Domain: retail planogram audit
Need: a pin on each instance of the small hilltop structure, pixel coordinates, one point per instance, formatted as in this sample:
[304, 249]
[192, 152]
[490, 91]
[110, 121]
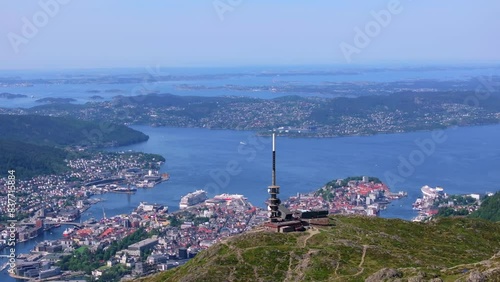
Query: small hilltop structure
[281, 219]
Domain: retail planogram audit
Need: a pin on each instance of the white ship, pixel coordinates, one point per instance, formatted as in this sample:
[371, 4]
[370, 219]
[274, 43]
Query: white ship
[193, 198]
[68, 232]
[432, 193]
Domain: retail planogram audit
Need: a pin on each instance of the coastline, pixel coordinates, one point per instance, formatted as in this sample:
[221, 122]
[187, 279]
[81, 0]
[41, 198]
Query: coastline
[260, 133]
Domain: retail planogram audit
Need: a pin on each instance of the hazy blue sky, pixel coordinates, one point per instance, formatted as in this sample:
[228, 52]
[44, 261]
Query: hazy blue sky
[125, 33]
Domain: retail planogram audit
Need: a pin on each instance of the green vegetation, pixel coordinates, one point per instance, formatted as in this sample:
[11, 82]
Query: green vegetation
[343, 182]
[489, 209]
[327, 192]
[200, 220]
[448, 211]
[29, 160]
[145, 157]
[38, 145]
[83, 259]
[353, 249]
[461, 200]
[65, 131]
[174, 221]
[113, 274]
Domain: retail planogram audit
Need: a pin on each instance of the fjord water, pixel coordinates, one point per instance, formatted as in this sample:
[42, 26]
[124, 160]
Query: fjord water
[225, 161]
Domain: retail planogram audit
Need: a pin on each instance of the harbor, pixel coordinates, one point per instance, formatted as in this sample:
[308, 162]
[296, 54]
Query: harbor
[435, 201]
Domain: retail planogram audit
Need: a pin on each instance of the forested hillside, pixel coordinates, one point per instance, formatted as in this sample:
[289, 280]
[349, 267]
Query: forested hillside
[59, 131]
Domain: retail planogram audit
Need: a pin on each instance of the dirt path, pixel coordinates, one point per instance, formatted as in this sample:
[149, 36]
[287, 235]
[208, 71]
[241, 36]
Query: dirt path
[312, 232]
[299, 269]
[365, 247]
[289, 272]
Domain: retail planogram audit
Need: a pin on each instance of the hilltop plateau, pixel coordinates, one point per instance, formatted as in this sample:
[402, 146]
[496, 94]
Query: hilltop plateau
[354, 248]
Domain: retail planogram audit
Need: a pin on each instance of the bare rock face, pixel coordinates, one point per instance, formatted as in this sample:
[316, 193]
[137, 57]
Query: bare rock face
[383, 274]
[424, 277]
[492, 274]
[476, 276]
[419, 278]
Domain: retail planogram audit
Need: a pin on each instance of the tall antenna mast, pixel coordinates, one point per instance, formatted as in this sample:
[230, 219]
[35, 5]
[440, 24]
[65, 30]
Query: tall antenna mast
[274, 160]
[274, 190]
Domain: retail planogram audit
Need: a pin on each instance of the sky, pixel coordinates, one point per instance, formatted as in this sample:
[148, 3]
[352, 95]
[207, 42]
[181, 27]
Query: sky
[51, 34]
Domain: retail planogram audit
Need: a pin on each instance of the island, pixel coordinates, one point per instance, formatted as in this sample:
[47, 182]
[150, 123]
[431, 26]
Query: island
[6, 95]
[113, 91]
[55, 100]
[362, 195]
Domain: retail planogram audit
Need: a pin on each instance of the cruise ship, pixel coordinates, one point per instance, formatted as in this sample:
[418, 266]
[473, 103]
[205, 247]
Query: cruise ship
[194, 198]
[431, 193]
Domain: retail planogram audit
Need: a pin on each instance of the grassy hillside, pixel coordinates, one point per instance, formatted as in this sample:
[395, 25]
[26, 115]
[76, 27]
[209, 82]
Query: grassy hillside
[489, 209]
[57, 131]
[353, 249]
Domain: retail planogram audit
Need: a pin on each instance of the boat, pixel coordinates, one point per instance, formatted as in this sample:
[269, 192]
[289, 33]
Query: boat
[199, 196]
[419, 218]
[124, 190]
[431, 193]
[144, 206]
[151, 179]
[165, 176]
[418, 204]
[68, 232]
[90, 221]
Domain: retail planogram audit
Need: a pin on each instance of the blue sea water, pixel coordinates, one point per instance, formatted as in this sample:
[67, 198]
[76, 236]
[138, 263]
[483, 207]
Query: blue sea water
[223, 161]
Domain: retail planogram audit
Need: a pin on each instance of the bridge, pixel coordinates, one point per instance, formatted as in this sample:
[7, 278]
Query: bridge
[76, 224]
